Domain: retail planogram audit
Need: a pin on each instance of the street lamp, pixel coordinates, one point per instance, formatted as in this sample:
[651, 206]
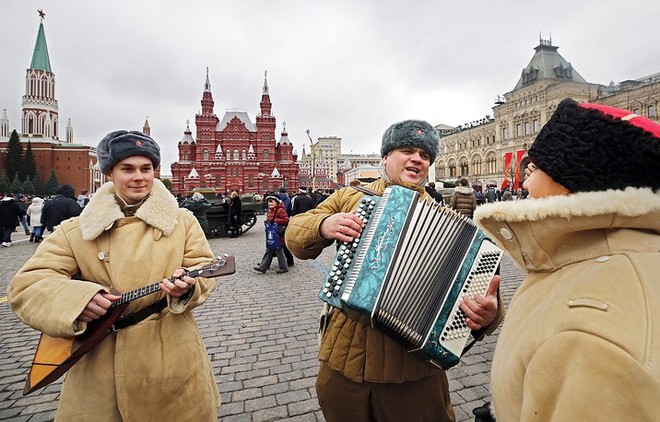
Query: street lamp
[313, 152]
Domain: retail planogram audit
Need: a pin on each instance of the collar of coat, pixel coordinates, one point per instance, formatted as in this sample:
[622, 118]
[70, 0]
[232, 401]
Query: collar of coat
[159, 210]
[547, 233]
[465, 190]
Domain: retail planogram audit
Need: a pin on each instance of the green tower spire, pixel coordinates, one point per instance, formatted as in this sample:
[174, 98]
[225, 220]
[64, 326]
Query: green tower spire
[40, 60]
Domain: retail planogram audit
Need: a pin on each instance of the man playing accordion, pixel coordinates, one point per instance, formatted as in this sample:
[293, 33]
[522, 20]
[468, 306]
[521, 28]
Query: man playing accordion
[365, 375]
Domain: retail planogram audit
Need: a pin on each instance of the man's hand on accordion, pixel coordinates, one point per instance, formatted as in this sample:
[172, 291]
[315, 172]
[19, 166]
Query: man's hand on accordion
[481, 310]
[343, 226]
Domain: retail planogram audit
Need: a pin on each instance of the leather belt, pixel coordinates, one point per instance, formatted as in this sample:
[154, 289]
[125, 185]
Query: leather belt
[135, 317]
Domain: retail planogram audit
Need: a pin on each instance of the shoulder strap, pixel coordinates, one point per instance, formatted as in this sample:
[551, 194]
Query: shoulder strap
[367, 191]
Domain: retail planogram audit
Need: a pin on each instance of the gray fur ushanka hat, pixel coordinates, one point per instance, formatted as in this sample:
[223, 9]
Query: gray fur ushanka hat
[411, 133]
[121, 144]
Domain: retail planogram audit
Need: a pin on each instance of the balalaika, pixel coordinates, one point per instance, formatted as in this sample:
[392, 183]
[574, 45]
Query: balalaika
[408, 271]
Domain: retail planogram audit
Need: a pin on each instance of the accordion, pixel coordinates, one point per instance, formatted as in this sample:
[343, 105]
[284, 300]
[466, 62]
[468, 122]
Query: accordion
[408, 271]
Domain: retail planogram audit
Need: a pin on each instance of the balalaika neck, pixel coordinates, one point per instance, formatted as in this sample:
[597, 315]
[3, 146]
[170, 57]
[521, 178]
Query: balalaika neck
[147, 290]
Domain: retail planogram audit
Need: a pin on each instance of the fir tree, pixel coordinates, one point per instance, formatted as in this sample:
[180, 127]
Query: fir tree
[16, 185]
[4, 183]
[51, 185]
[38, 182]
[28, 187]
[14, 159]
[29, 163]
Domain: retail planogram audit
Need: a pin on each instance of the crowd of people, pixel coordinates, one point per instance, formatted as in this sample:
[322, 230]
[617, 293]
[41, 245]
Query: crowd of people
[37, 213]
[579, 341]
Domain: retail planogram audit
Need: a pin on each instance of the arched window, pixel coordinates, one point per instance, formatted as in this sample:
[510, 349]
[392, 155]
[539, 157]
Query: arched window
[464, 168]
[244, 154]
[266, 154]
[228, 154]
[651, 111]
[205, 154]
[236, 156]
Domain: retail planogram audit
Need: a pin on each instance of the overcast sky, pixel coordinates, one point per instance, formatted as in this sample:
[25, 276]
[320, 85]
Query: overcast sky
[345, 68]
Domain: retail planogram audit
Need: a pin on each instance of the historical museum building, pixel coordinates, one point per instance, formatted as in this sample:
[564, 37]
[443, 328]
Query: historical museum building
[41, 128]
[488, 150]
[234, 153]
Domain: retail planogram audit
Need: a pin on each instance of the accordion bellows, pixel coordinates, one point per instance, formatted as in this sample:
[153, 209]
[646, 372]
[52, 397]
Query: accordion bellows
[408, 271]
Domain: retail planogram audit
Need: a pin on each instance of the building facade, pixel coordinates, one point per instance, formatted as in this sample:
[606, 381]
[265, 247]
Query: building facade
[234, 153]
[73, 163]
[487, 150]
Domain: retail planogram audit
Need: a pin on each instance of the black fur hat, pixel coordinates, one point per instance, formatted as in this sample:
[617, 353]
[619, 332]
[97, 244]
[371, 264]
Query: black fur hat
[121, 144]
[590, 147]
[411, 133]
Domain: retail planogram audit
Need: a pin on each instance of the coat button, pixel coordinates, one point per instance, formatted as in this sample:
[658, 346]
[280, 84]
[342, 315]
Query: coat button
[506, 233]
[101, 256]
[603, 258]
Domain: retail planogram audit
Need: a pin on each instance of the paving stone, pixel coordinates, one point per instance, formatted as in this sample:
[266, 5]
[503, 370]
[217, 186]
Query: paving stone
[260, 332]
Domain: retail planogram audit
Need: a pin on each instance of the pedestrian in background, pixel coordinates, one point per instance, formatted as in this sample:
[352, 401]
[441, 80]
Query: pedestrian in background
[463, 199]
[61, 206]
[276, 215]
[301, 203]
[235, 207]
[34, 212]
[581, 339]
[11, 214]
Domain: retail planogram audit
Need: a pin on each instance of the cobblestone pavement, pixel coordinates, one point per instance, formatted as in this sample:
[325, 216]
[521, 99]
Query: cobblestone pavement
[260, 331]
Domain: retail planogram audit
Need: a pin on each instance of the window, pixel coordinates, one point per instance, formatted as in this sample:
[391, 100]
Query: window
[228, 154]
[505, 133]
[536, 126]
[519, 129]
[205, 154]
[266, 155]
[527, 128]
[651, 111]
[236, 156]
[244, 154]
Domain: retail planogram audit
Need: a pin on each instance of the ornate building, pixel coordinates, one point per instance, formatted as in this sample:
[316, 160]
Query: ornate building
[234, 153]
[487, 150]
[73, 164]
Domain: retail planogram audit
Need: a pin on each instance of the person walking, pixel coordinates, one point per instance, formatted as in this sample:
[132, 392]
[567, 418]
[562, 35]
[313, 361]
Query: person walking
[34, 212]
[463, 199]
[11, 214]
[276, 215]
[301, 203]
[131, 234]
[378, 377]
[61, 206]
[581, 335]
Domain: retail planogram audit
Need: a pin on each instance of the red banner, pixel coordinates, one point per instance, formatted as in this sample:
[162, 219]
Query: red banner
[507, 165]
[516, 181]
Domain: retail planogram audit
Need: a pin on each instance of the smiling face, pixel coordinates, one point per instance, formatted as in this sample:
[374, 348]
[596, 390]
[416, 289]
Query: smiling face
[409, 164]
[133, 178]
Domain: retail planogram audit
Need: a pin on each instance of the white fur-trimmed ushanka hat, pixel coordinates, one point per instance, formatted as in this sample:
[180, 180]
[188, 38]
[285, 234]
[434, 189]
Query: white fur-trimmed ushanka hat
[411, 133]
[592, 147]
[121, 144]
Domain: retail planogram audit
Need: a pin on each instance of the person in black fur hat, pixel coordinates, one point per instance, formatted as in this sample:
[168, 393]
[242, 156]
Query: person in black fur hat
[59, 207]
[581, 339]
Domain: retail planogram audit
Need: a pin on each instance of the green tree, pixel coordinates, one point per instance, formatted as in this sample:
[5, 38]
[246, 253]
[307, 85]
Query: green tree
[167, 183]
[29, 164]
[28, 187]
[38, 182]
[51, 185]
[4, 183]
[14, 159]
[16, 185]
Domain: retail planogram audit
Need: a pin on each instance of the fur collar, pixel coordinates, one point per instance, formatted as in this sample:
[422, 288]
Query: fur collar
[465, 190]
[159, 211]
[631, 202]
